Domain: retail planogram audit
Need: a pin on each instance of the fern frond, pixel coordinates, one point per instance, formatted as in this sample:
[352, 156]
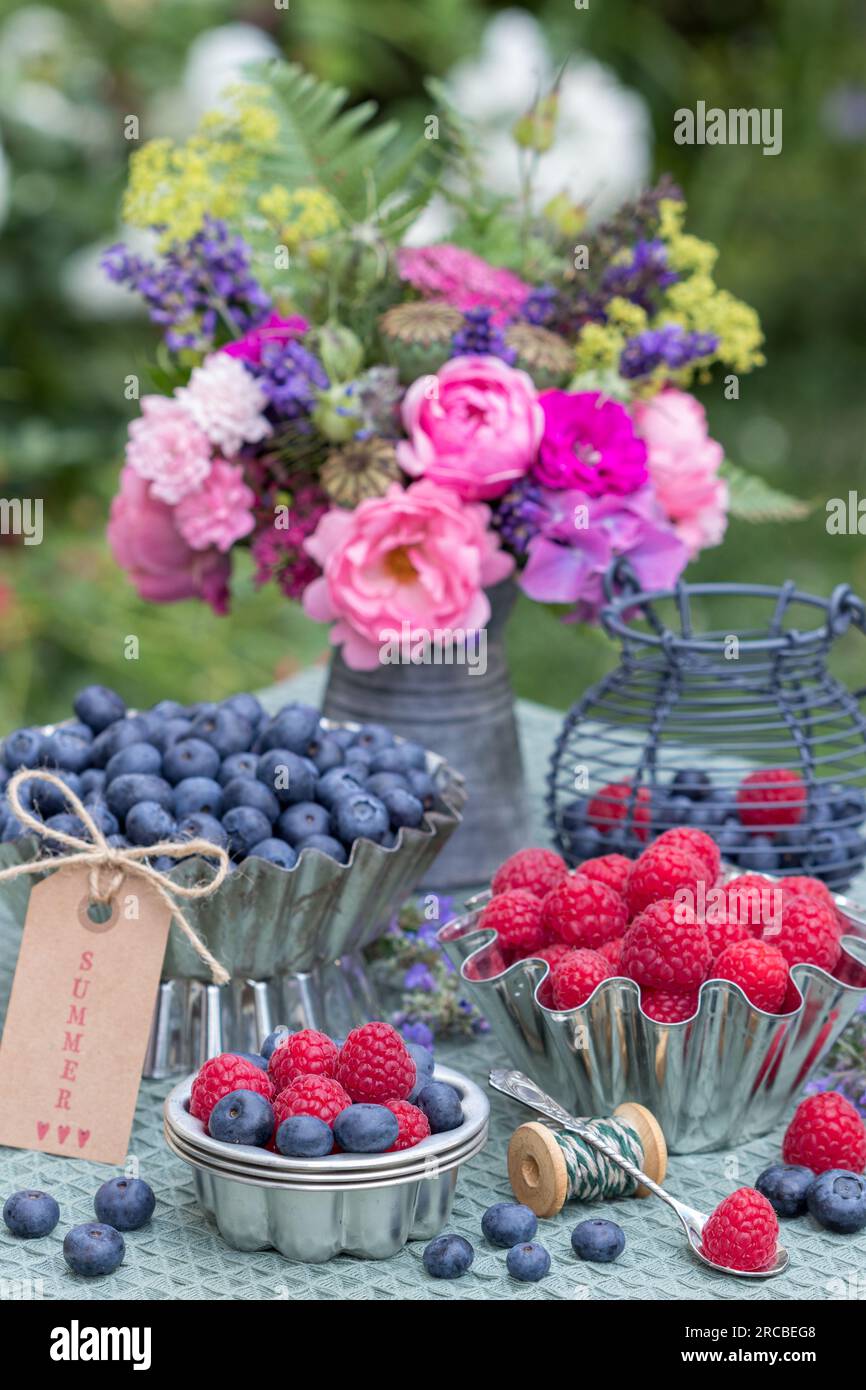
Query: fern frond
[751, 499]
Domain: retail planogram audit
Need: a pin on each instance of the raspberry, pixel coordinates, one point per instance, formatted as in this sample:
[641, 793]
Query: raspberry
[658, 873]
[223, 1074]
[697, 843]
[759, 969]
[753, 901]
[536, 870]
[807, 933]
[722, 934]
[826, 1132]
[515, 915]
[553, 952]
[775, 796]
[414, 1125]
[375, 1064]
[742, 1231]
[584, 912]
[320, 1096]
[663, 953]
[307, 1053]
[801, 885]
[486, 963]
[669, 1005]
[576, 976]
[612, 869]
[613, 803]
[612, 952]
[550, 954]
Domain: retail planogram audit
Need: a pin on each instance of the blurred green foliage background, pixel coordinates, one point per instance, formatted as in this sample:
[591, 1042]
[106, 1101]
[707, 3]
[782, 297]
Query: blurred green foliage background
[790, 229]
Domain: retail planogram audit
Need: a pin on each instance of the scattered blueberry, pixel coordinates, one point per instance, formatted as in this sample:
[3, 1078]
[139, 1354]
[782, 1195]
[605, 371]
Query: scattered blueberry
[49, 800]
[785, 1185]
[172, 731]
[273, 1040]
[238, 765]
[127, 1204]
[528, 1263]
[421, 785]
[275, 852]
[93, 1249]
[242, 1117]
[304, 1136]
[248, 707]
[360, 817]
[97, 706]
[366, 1129]
[759, 855]
[93, 780]
[135, 757]
[691, 782]
[256, 1058]
[63, 750]
[325, 844]
[447, 1257]
[245, 827]
[249, 791]
[198, 795]
[190, 757]
[303, 819]
[167, 709]
[23, 748]
[130, 789]
[295, 728]
[325, 753]
[147, 823]
[442, 1106]
[201, 826]
[381, 782]
[291, 777]
[403, 808]
[339, 782]
[509, 1223]
[31, 1213]
[837, 1200]
[598, 1240]
[224, 729]
[423, 1059]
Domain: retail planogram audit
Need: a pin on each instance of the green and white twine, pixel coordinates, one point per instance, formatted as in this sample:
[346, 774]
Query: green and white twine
[592, 1176]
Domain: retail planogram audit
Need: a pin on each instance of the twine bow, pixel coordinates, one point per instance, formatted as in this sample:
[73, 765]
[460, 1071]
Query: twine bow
[109, 866]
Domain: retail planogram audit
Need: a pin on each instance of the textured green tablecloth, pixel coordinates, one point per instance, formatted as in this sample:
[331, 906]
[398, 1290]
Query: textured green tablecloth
[180, 1255]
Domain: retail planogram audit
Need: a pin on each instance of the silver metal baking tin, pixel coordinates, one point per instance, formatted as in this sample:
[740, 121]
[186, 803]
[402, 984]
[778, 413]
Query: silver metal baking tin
[726, 1075]
[313, 1209]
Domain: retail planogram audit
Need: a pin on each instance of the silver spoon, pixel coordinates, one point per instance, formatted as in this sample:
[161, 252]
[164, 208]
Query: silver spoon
[519, 1087]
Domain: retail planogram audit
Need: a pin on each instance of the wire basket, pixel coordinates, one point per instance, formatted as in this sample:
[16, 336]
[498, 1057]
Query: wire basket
[721, 714]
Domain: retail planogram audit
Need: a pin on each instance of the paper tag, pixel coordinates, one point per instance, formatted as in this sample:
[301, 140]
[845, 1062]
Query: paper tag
[79, 1017]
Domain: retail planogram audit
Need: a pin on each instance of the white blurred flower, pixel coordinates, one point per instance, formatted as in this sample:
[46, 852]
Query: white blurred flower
[216, 59]
[601, 151]
[38, 51]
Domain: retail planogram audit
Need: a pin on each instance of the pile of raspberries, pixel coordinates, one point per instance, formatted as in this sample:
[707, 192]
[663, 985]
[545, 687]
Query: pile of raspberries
[663, 920]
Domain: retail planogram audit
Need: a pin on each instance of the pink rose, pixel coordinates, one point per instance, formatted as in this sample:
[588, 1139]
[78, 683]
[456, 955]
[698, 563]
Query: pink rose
[220, 511]
[166, 447]
[146, 543]
[275, 329]
[684, 463]
[417, 556]
[474, 427]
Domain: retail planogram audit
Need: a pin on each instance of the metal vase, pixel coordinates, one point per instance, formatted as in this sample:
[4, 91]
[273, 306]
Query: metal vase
[468, 718]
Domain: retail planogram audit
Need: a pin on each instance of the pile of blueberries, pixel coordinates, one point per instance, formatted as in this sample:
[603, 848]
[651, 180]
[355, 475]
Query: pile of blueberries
[513, 1226]
[94, 1247]
[227, 773]
[828, 842]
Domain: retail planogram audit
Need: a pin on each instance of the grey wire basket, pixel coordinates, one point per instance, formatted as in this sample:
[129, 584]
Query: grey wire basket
[717, 683]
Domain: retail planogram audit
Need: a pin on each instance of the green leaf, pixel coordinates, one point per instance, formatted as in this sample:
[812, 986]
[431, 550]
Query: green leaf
[751, 499]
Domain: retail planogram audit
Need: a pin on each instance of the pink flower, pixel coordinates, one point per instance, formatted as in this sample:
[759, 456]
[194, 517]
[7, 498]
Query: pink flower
[146, 543]
[589, 442]
[451, 275]
[474, 427]
[684, 463]
[220, 512]
[166, 447]
[275, 329]
[417, 556]
[226, 402]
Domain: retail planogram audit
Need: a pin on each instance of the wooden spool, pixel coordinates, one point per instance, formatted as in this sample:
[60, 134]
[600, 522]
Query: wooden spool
[536, 1165]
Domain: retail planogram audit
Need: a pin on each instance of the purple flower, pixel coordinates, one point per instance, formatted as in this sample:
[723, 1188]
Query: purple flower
[290, 376]
[643, 276]
[670, 346]
[418, 976]
[480, 336]
[538, 307]
[415, 1031]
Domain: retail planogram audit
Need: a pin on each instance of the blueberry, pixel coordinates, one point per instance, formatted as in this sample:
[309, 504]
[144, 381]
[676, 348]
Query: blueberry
[421, 785]
[304, 1136]
[442, 1106]
[573, 816]
[447, 1257]
[424, 1063]
[387, 760]
[273, 1040]
[295, 727]
[335, 785]
[190, 757]
[77, 730]
[225, 730]
[249, 791]
[14, 829]
[238, 765]
[64, 750]
[97, 707]
[201, 826]
[104, 819]
[69, 825]
[93, 1249]
[414, 756]
[30, 1213]
[147, 823]
[255, 1057]
[586, 843]
[849, 804]
[373, 737]
[818, 813]
[360, 817]
[274, 852]
[837, 1200]
[692, 783]
[172, 731]
[242, 1117]
[199, 707]
[50, 801]
[730, 841]
[5, 776]
[598, 1240]
[127, 1204]
[247, 706]
[759, 855]
[167, 709]
[366, 1129]
[135, 757]
[380, 782]
[827, 850]
[126, 791]
[130, 730]
[24, 748]
[509, 1223]
[92, 780]
[403, 808]
[303, 819]
[785, 1186]
[356, 754]
[528, 1263]
[291, 777]
[326, 753]
[245, 827]
[325, 844]
[198, 795]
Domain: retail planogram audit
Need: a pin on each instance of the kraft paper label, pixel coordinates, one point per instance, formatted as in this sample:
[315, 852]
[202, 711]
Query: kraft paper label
[79, 1017]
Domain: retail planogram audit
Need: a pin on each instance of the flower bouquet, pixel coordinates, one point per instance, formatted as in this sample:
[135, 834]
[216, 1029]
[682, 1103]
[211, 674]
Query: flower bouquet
[394, 430]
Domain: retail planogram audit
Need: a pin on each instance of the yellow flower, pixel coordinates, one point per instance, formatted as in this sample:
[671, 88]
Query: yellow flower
[626, 315]
[598, 347]
[302, 214]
